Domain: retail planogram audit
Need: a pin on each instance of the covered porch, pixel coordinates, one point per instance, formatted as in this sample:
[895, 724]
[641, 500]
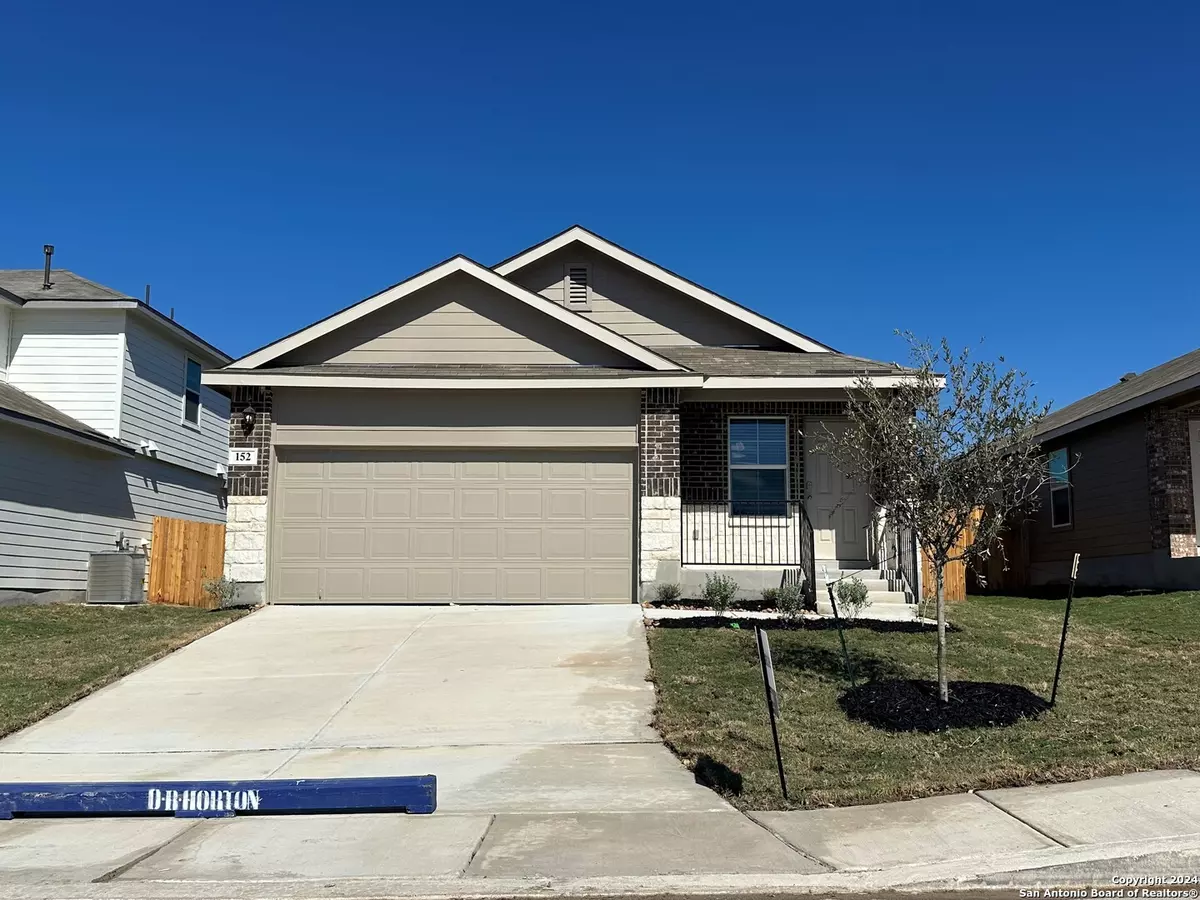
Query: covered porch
[757, 498]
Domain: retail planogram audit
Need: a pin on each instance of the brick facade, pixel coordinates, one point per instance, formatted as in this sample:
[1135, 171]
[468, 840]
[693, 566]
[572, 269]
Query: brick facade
[704, 450]
[250, 481]
[658, 442]
[1169, 459]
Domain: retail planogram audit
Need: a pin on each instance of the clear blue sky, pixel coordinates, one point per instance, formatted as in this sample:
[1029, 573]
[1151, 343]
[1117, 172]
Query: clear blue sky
[1026, 172]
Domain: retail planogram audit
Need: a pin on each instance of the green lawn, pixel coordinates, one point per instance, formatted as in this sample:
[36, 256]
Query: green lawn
[50, 656]
[1128, 700]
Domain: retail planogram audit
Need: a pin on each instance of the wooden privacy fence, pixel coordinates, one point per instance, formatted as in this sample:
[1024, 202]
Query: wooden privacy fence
[184, 555]
[956, 572]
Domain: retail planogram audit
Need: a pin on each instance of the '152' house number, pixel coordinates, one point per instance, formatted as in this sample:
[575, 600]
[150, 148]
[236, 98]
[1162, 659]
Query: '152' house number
[242, 456]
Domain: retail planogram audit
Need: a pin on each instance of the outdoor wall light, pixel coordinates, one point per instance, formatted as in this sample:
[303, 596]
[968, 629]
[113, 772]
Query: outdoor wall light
[248, 419]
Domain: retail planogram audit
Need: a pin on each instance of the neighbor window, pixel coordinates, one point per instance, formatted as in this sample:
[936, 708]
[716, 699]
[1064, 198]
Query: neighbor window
[191, 393]
[1060, 489]
[758, 472]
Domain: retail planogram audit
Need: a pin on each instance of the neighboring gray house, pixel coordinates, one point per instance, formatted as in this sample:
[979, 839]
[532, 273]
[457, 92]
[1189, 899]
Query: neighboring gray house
[104, 424]
[1126, 464]
[574, 424]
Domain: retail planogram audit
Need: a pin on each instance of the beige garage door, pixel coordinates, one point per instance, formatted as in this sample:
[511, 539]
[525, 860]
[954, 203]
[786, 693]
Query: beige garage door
[430, 526]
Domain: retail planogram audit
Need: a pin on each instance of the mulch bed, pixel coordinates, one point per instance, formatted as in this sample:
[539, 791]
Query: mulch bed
[904, 705]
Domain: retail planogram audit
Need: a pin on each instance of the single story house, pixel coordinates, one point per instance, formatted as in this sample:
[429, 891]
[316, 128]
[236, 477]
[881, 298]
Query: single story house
[573, 424]
[1124, 490]
[104, 425]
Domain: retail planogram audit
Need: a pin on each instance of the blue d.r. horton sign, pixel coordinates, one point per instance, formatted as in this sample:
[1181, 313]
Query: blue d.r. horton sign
[216, 799]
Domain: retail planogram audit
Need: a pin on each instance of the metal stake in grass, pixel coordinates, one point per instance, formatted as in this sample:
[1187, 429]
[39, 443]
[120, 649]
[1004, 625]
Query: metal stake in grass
[1062, 642]
[841, 634]
[768, 673]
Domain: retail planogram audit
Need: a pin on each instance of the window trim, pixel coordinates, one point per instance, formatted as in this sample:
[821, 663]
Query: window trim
[1062, 486]
[587, 270]
[188, 361]
[786, 467]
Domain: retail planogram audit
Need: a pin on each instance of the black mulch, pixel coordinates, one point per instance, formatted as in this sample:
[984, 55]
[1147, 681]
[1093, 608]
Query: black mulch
[909, 705]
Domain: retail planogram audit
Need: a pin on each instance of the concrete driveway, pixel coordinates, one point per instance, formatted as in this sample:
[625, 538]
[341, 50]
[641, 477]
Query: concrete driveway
[515, 709]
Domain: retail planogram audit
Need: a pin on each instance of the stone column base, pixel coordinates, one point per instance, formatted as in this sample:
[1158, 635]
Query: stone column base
[246, 546]
[660, 538]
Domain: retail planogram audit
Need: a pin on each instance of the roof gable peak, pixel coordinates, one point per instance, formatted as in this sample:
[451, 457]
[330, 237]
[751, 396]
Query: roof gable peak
[577, 233]
[455, 264]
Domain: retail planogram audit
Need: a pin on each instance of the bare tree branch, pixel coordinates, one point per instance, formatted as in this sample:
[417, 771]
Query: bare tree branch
[942, 461]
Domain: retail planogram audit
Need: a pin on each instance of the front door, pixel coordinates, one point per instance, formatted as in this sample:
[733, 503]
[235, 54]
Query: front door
[838, 506]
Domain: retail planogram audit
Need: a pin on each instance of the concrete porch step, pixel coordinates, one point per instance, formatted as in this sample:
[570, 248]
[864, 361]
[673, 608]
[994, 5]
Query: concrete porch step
[872, 581]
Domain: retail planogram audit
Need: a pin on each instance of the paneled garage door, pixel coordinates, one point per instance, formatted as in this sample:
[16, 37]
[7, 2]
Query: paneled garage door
[429, 526]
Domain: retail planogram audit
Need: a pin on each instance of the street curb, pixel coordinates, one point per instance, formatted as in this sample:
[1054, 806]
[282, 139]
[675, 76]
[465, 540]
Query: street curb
[928, 877]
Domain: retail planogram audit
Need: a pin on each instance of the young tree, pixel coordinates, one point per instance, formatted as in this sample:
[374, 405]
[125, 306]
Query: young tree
[940, 463]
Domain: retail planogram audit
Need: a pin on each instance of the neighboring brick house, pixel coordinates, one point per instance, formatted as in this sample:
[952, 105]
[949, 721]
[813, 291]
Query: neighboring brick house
[574, 424]
[1125, 485]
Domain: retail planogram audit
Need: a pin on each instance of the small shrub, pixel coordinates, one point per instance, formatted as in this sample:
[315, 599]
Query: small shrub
[851, 597]
[719, 591]
[791, 600]
[221, 590]
[668, 592]
[771, 597]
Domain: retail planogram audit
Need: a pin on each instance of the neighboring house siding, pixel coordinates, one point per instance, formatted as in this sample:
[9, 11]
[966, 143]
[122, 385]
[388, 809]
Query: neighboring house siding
[460, 418]
[70, 359]
[457, 320]
[60, 501]
[5, 319]
[637, 306]
[152, 402]
[1110, 496]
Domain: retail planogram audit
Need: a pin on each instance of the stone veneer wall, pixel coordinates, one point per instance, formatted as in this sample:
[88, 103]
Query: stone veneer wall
[658, 471]
[246, 526]
[1169, 459]
[704, 449]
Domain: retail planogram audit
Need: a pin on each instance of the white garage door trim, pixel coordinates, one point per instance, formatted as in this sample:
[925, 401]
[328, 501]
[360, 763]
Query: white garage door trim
[416, 525]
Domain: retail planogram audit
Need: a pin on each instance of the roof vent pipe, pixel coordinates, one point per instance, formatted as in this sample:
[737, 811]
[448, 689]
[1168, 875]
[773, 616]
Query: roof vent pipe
[1128, 376]
[48, 249]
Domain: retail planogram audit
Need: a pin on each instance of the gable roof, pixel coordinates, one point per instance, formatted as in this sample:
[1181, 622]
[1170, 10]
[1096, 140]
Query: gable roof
[577, 233]
[26, 284]
[1167, 380]
[537, 302]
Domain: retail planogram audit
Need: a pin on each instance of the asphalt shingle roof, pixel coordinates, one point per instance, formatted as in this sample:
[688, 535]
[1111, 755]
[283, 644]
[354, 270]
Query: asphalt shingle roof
[26, 406]
[65, 285]
[444, 370]
[1163, 376]
[749, 363]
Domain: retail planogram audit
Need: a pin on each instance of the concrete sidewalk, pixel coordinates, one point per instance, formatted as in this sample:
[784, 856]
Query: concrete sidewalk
[1146, 823]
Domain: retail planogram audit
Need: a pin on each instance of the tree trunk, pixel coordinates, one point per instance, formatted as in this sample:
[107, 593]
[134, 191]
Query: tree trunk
[943, 684]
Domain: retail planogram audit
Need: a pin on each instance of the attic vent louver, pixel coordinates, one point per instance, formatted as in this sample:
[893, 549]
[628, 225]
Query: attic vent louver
[578, 278]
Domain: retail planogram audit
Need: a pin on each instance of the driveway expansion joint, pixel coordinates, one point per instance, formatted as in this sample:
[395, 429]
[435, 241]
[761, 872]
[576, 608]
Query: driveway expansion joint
[1012, 815]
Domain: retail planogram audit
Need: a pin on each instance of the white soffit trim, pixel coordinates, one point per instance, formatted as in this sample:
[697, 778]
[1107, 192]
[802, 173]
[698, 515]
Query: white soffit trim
[457, 264]
[267, 379]
[832, 381]
[664, 276]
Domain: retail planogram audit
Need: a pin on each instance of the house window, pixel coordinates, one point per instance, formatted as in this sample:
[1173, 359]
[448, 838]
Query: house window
[758, 469]
[577, 286]
[191, 393]
[1060, 489]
